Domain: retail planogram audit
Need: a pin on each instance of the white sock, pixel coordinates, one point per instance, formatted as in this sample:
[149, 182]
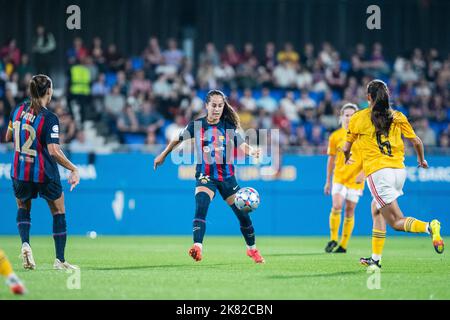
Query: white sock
[427, 228]
[376, 257]
[198, 244]
[253, 247]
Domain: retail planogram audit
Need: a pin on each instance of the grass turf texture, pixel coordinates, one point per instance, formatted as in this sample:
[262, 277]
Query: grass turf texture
[296, 268]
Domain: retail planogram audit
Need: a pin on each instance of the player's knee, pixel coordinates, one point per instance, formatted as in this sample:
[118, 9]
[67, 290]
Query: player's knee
[398, 225]
[349, 211]
[243, 217]
[202, 201]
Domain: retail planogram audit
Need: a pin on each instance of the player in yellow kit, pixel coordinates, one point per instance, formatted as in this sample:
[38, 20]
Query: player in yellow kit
[12, 281]
[347, 184]
[379, 130]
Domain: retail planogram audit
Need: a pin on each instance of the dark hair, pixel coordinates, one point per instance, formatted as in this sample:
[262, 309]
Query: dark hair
[39, 85]
[381, 115]
[229, 114]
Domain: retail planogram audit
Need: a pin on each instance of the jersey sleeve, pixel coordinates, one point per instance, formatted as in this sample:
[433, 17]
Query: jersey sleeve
[406, 128]
[331, 151]
[51, 134]
[353, 131]
[187, 133]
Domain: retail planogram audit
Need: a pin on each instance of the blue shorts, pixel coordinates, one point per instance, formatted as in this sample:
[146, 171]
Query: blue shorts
[227, 187]
[26, 190]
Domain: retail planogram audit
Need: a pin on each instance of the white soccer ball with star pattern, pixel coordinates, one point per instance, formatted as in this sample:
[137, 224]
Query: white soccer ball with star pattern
[247, 199]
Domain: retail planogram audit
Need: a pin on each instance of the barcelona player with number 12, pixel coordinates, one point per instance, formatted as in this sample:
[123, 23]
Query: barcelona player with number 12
[34, 130]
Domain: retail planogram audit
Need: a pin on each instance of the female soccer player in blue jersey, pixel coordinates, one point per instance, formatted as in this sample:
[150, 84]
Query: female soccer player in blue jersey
[34, 130]
[215, 140]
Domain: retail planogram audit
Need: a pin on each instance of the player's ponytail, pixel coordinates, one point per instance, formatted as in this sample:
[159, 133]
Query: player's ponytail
[38, 87]
[381, 115]
[229, 114]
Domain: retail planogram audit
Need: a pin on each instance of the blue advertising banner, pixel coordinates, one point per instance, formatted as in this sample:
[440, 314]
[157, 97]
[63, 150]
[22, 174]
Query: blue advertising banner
[121, 194]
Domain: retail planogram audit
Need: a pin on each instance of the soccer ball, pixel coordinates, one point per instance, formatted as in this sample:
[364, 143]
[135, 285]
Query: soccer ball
[247, 199]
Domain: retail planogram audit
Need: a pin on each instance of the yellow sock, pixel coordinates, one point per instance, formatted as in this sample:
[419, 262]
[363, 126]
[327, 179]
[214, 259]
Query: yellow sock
[378, 239]
[5, 266]
[347, 230]
[335, 222]
[414, 225]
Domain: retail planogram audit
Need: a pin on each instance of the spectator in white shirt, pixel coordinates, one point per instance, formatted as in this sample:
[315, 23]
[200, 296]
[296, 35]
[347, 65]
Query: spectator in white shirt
[247, 101]
[289, 108]
[266, 102]
[305, 102]
[285, 75]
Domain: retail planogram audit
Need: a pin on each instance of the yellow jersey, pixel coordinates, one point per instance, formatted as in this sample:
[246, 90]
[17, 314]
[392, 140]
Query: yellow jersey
[379, 151]
[345, 174]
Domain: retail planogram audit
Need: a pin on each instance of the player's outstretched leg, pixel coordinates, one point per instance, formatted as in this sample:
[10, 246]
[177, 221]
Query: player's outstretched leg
[249, 234]
[202, 201]
[396, 220]
[12, 281]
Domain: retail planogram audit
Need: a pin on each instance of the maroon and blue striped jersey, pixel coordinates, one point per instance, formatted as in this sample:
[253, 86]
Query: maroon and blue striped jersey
[32, 133]
[215, 147]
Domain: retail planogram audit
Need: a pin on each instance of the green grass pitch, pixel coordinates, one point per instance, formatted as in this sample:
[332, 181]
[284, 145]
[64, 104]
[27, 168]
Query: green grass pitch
[295, 268]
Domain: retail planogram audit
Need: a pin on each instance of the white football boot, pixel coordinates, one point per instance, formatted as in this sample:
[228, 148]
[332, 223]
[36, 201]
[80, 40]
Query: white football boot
[27, 257]
[58, 265]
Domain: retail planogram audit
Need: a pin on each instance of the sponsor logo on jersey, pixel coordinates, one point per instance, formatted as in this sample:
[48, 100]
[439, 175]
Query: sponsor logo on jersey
[55, 128]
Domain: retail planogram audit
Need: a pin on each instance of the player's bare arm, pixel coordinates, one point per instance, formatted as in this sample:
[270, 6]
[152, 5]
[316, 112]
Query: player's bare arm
[56, 152]
[418, 147]
[347, 152]
[9, 133]
[159, 160]
[330, 167]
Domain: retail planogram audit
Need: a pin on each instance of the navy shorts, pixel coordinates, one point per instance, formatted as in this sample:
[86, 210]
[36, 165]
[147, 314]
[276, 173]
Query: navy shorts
[227, 187]
[25, 190]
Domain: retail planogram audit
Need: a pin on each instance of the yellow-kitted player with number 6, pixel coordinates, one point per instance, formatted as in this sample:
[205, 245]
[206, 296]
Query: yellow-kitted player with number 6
[379, 131]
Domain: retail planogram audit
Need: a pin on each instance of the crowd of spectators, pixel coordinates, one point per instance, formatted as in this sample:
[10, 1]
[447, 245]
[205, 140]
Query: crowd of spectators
[150, 97]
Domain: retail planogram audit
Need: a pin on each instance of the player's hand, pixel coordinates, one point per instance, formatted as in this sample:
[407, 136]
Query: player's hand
[349, 161]
[74, 179]
[360, 178]
[327, 189]
[423, 164]
[255, 152]
[159, 160]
